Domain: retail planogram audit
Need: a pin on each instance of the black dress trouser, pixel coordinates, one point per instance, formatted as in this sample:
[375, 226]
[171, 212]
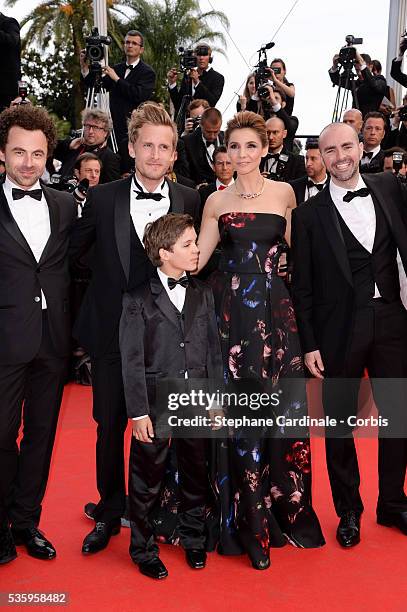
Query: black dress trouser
[31, 392]
[109, 412]
[146, 473]
[378, 343]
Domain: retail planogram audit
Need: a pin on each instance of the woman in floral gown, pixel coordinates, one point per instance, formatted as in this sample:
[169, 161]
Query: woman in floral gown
[263, 480]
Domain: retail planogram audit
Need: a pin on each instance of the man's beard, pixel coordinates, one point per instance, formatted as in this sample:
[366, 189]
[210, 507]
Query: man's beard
[345, 177]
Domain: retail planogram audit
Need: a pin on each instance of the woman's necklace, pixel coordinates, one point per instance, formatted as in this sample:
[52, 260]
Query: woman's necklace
[250, 196]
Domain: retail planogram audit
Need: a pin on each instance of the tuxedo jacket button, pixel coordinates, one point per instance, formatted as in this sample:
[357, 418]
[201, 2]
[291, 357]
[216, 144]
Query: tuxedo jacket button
[182, 372]
[182, 344]
[37, 299]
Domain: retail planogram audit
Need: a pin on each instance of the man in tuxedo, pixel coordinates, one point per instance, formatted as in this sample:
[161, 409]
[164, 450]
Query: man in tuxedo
[114, 219]
[35, 331]
[97, 127]
[200, 82]
[354, 117]
[201, 144]
[279, 164]
[316, 179]
[373, 131]
[168, 330]
[129, 83]
[346, 295]
[223, 172]
[10, 69]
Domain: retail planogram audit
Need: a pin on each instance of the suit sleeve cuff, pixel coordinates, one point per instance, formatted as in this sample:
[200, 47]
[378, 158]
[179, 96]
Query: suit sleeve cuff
[139, 417]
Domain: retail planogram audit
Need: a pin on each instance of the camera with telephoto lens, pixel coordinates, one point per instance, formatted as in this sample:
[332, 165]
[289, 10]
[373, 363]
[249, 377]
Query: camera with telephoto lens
[403, 113]
[347, 54]
[196, 122]
[187, 59]
[95, 46]
[278, 174]
[23, 92]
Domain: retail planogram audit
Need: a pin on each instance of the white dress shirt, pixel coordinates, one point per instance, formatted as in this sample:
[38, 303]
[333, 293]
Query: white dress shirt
[146, 211]
[32, 218]
[359, 215]
[312, 191]
[271, 164]
[367, 160]
[218, 184]
[209, 151]
[177, 297]
[133, 65]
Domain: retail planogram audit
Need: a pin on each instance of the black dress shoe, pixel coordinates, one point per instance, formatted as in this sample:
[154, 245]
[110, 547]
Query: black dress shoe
[154, 568]
[99, 537]
[35, 542]
[393, 519]
[7, 547]
[196, 558]
[261, 564]
[348, 532]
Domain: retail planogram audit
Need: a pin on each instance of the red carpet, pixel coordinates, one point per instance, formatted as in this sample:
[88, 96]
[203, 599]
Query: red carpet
[370, 577]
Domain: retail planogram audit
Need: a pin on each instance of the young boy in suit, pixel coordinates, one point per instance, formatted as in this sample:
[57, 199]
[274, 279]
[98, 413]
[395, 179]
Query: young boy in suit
[167, 330]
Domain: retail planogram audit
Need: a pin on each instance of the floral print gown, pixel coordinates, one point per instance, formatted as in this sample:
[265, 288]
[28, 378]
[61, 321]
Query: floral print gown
[263, 484]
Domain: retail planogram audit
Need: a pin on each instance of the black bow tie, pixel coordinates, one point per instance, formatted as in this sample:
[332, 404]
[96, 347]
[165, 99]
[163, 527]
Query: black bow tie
[319, 186]
[20, 193]
[368, 155]
[146, 195]
[183, 281]
[129, 67]
[209, 143]
[272, 156]
[359, 193]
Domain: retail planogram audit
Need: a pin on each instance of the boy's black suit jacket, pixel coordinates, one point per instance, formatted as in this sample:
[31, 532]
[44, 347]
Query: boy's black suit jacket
[155, 345]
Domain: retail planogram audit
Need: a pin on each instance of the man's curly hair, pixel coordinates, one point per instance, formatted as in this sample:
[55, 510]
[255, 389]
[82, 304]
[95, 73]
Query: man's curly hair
[28, 118]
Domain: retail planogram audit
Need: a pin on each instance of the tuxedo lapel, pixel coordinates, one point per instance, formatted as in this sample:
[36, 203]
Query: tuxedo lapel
[193, 299]
[176, 198]
[328, 217]
[122, 222]
[163, 301]
[53, 220]
[381, 199]
[8, 222]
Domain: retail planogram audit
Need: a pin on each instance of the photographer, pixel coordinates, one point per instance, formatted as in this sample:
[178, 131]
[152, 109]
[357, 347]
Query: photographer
[129, 83]
[370, 89]
[194, 113]
[249, 100]
[96, 129]
[201, 144]
[275, 106]
[10, 71]
[398, 121]
[279, 164]
[199, 82]
[395, 71]
[281, 84]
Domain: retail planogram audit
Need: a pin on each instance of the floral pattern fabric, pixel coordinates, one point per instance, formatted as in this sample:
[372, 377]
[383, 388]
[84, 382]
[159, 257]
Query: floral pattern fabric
[263, 483]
